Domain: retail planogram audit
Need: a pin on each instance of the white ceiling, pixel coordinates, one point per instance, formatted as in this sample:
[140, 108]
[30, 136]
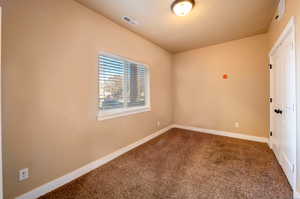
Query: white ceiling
[210, 22]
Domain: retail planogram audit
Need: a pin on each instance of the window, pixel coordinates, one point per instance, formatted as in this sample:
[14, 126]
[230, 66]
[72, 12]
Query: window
[123, 87]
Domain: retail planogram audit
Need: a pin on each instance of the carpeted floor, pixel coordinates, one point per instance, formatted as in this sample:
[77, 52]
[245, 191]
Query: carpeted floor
[186, 165]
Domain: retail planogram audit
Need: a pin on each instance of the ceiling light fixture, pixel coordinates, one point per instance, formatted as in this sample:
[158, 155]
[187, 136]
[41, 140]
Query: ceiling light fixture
[182, 7]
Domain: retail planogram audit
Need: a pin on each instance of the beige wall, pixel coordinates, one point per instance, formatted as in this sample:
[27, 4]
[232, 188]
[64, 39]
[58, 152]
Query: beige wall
[49, 86]
[203, 99]
[50, 53]
[292, 9]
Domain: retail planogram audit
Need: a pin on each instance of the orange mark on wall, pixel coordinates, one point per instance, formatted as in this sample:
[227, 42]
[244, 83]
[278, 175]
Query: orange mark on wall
[225, 76]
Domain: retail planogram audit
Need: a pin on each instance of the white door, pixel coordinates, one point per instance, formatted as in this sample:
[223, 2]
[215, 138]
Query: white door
[283, 106]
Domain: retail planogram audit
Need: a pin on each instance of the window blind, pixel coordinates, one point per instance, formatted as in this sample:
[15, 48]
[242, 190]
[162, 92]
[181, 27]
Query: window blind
[122, 84]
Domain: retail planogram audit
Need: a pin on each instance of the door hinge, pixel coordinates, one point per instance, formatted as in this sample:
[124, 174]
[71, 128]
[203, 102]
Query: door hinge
[271, 99]
[271, 133]
[271, 66]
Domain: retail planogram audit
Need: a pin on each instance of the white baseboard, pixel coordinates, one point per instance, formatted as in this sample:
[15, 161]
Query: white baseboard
[223, 133]
[270, 143]
[46, 188]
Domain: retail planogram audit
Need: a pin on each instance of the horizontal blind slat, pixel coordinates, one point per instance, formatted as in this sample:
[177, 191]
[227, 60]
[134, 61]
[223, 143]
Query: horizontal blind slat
[121, 83]
[111, 76]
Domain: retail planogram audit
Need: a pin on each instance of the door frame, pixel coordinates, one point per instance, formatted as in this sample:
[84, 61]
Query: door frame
[289, 29]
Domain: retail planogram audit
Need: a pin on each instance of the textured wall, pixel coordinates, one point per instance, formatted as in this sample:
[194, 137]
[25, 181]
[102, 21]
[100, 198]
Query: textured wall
[50, 53]
[203, 99]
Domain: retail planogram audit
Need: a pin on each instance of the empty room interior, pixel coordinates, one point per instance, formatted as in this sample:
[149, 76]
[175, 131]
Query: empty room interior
[150, 99]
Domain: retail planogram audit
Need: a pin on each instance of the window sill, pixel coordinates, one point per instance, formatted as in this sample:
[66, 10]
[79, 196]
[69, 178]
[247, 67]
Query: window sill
[105, 115]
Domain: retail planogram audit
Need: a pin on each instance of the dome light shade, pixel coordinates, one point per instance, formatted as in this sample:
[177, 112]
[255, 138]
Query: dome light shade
[182, 7]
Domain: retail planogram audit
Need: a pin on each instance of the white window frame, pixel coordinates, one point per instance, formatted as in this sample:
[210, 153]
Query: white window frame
[114, 113]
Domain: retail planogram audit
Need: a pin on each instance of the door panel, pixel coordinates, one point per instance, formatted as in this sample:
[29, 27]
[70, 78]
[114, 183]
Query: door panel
[288, 143]
[283, 121]
[276, 104]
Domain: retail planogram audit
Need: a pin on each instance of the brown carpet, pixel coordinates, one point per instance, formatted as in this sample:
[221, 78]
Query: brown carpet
[187, 165]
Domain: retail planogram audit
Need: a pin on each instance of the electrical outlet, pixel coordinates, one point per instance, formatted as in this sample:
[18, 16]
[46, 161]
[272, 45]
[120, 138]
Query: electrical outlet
[237, 125]
[23, 174]
[158, 124]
